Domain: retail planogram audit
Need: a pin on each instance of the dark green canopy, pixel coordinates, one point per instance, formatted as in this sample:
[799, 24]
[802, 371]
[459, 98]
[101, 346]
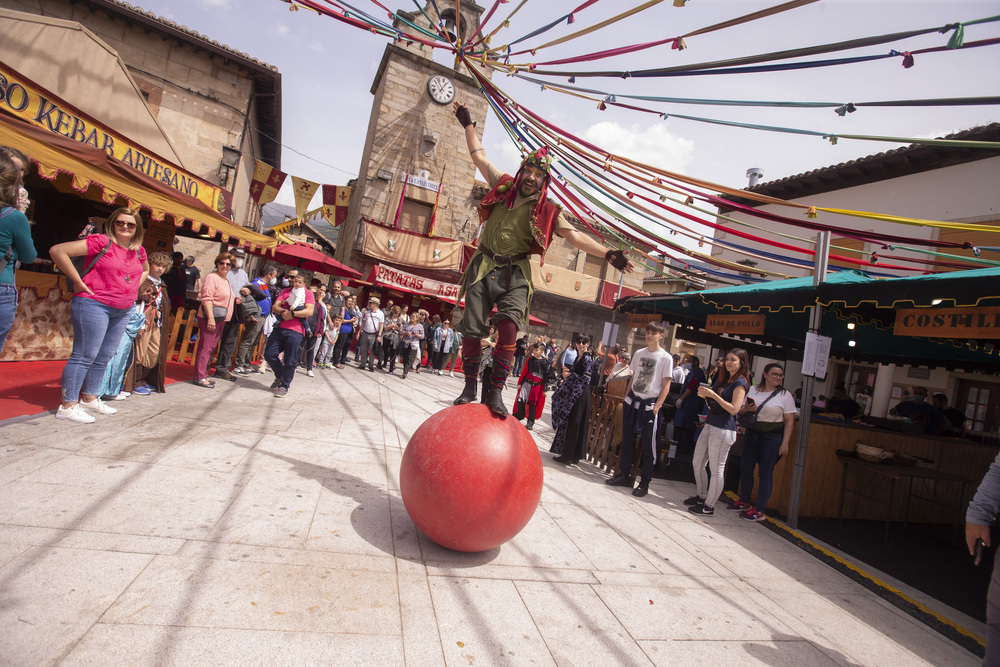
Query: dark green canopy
[846, 296]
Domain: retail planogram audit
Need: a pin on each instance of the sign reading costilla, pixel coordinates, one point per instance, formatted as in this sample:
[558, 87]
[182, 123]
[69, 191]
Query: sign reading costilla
[983, 322]
[735, 324]
[41, 108]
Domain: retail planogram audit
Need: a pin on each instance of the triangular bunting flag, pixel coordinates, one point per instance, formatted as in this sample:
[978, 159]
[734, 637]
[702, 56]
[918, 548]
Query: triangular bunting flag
[304, 191]
[265, 184]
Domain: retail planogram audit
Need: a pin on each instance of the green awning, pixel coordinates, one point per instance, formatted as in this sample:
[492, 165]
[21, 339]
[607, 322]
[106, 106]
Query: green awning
[847, 296]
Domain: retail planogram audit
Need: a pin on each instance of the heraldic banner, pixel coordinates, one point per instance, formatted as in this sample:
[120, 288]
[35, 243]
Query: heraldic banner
[399, 247]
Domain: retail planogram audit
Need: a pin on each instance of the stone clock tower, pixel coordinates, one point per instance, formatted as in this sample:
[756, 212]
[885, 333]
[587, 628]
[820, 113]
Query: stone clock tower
[413, 130]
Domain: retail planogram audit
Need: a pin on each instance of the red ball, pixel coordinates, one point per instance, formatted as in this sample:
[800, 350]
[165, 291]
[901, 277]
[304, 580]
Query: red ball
[469, 480]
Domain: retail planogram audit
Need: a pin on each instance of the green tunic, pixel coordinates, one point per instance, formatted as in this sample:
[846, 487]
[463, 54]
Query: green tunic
[505, 232]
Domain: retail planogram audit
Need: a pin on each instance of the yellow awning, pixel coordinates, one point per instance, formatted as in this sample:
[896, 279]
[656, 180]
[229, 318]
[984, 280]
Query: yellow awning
[90, 167]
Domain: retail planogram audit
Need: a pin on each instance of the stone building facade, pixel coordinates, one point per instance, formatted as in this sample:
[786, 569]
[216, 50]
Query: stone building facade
[410, 132]
[204, 95]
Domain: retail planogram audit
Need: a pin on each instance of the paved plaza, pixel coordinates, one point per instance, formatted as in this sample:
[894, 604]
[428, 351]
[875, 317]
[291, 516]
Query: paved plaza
[228, 527]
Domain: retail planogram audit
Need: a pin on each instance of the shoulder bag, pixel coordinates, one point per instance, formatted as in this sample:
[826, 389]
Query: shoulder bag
[749, 419]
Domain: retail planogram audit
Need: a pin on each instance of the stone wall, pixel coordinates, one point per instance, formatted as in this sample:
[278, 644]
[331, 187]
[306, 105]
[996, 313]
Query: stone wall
[402, 115]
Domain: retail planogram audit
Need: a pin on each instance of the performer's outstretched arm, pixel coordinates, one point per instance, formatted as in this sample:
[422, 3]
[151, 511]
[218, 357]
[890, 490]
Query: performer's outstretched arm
[476, 149]
[580, 240]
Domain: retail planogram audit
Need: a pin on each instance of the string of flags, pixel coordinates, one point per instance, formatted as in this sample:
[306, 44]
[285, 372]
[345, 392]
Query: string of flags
[267, 181]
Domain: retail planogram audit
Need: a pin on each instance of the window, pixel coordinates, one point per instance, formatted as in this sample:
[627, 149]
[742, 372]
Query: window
[593, 266]
[987, 237]
[853, 248]
[978, 401]
[415, 216]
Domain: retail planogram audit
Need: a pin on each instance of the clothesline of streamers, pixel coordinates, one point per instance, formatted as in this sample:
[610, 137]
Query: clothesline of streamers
[678, 42]
[624, 238]
[734, 265]
[842, 108]
[810, 210]
[694, 236]
[568, 18]
[832, 137]
[603, 24]
[848, 231]
[504, 24]
[800, 52]
[360, 24]
[486, 19]
[377, 28]
[906, 56]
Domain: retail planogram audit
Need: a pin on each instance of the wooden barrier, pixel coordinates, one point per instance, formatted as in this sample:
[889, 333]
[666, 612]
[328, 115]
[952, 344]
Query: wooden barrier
[604, 433]
[184, 351]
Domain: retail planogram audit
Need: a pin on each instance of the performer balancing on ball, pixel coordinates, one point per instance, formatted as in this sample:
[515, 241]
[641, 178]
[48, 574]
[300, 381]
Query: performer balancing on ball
[519, 221]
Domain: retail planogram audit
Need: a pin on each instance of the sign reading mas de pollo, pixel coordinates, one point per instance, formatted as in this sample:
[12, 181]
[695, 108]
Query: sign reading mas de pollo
[41, 108]
[735, 324]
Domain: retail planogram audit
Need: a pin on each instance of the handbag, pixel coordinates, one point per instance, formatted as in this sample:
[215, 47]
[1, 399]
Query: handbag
[749, 419]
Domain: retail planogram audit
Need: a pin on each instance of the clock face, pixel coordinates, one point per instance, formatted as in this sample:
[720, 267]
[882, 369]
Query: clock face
[441, 89]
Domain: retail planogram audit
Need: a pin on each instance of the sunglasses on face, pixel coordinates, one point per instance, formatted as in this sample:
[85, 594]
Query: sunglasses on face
[224, 264]
[126, 225]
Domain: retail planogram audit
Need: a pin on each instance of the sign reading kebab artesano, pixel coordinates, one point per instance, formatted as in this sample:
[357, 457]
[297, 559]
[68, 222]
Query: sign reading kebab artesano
[39, 107]
[391, 277]
[948, 322]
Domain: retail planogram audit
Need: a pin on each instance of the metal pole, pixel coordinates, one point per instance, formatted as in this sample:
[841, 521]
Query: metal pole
[808, 385]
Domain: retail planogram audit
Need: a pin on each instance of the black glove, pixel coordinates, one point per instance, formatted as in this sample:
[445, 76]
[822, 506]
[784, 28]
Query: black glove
[462, 114]
[617, 259]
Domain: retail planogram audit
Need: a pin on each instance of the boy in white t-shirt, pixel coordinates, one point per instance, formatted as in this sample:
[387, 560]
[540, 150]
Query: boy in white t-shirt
[652, 369]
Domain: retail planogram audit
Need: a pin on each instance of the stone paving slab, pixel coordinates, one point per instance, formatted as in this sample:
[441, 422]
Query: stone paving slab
[226, 526]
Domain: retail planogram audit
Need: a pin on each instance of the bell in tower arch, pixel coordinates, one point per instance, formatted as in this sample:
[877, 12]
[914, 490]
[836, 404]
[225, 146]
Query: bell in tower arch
[449, 26]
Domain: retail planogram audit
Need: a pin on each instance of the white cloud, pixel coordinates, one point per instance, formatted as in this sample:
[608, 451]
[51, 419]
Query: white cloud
[315, 47]
[215, 4]
[280, 29]
[508, 158]
[654, 145]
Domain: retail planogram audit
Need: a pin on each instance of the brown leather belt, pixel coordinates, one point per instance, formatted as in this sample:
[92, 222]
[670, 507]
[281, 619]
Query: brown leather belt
[507, 260]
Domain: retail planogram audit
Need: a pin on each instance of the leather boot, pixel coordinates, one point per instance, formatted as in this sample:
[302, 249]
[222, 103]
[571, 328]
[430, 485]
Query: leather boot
[530, 425]
[494, 399]
[470, 367]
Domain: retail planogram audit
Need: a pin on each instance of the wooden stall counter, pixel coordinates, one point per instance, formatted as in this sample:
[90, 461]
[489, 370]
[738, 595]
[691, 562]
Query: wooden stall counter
[824, 474]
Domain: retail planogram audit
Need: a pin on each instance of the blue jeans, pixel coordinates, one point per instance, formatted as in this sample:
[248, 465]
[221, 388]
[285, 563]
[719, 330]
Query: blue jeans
[8, 308]
[97, 330]
[286, 343]
[761, 450]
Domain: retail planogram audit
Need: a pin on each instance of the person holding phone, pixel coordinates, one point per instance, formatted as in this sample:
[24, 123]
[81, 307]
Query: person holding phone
[982, 510]
[725, 400]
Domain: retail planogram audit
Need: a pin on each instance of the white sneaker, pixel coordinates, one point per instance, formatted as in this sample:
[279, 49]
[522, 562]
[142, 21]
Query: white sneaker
[310, 374]
[121, 396]
[98, 406]
[74, 414]
[451, 374]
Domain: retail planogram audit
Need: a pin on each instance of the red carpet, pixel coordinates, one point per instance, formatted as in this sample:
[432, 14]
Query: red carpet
[31, 387]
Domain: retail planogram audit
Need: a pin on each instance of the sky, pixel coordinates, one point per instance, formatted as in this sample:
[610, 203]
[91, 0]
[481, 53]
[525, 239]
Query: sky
[328, 68]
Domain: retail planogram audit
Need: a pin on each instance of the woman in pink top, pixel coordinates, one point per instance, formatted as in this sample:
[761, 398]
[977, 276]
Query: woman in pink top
[216, 309]
[102, 303]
